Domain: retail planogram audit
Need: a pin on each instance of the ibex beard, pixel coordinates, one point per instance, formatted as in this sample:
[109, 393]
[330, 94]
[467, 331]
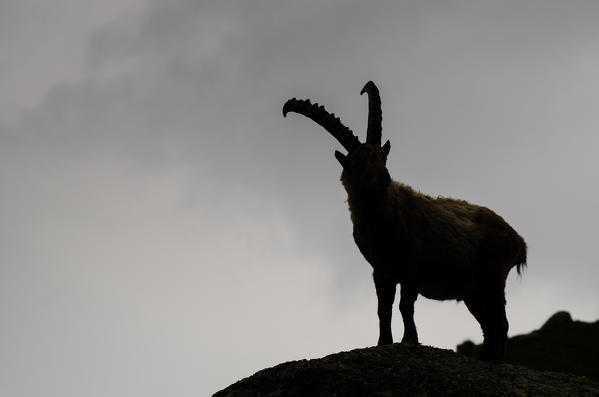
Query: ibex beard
[440, 248]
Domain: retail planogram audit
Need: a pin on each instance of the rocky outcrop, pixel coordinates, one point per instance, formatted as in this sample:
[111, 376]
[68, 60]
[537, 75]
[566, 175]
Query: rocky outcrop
[406, 370]
[560, 345]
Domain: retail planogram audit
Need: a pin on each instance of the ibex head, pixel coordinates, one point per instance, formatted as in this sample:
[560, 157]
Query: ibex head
[364, 167]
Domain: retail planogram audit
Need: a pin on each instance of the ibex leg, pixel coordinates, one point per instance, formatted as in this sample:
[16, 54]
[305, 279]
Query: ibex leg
[385, 293]
[406, 307]
[489, 310]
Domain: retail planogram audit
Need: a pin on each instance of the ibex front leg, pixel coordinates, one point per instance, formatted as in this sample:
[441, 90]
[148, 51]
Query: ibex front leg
[408, 297]
[385, 293]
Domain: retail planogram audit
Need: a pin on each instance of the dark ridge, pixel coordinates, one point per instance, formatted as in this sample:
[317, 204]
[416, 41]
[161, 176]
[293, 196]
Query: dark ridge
[406, 370]
[560, 345]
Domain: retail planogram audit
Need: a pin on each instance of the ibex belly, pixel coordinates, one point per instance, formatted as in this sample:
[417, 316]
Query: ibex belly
[434, 283]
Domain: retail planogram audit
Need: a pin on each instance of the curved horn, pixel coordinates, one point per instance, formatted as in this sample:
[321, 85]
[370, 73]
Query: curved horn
[327, 120]
[375, 116]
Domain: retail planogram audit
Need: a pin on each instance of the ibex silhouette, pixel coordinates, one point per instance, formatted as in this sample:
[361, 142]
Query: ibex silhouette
[440, 248]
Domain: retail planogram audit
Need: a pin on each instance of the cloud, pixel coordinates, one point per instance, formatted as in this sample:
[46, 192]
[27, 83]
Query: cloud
[166, 230]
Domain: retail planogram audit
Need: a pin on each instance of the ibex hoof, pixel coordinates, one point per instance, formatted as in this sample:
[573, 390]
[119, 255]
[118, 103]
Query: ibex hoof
[385, 341]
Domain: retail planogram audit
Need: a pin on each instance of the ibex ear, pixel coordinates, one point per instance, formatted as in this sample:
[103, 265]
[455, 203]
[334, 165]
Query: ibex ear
[341, 158]
[386, 148]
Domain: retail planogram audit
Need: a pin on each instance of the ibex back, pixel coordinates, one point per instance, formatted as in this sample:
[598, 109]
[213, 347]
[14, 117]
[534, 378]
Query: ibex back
[440, 248]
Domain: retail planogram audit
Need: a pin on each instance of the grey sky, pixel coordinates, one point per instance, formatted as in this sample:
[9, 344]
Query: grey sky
[164, 231]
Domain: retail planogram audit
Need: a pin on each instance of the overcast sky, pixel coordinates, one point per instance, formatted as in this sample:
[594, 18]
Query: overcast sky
[164, 231]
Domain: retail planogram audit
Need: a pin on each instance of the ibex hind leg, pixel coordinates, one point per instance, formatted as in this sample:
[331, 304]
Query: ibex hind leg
[489, 311]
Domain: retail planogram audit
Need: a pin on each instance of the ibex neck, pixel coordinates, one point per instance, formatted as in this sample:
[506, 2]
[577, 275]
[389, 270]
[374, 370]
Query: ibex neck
[364, 205]
[368, 208]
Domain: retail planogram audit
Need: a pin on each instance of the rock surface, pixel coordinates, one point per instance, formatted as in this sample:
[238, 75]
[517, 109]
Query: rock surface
[560, 345]
[406, 370]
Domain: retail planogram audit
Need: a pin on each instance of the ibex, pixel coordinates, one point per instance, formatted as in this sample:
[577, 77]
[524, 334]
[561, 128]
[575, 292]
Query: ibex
[440, 248]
